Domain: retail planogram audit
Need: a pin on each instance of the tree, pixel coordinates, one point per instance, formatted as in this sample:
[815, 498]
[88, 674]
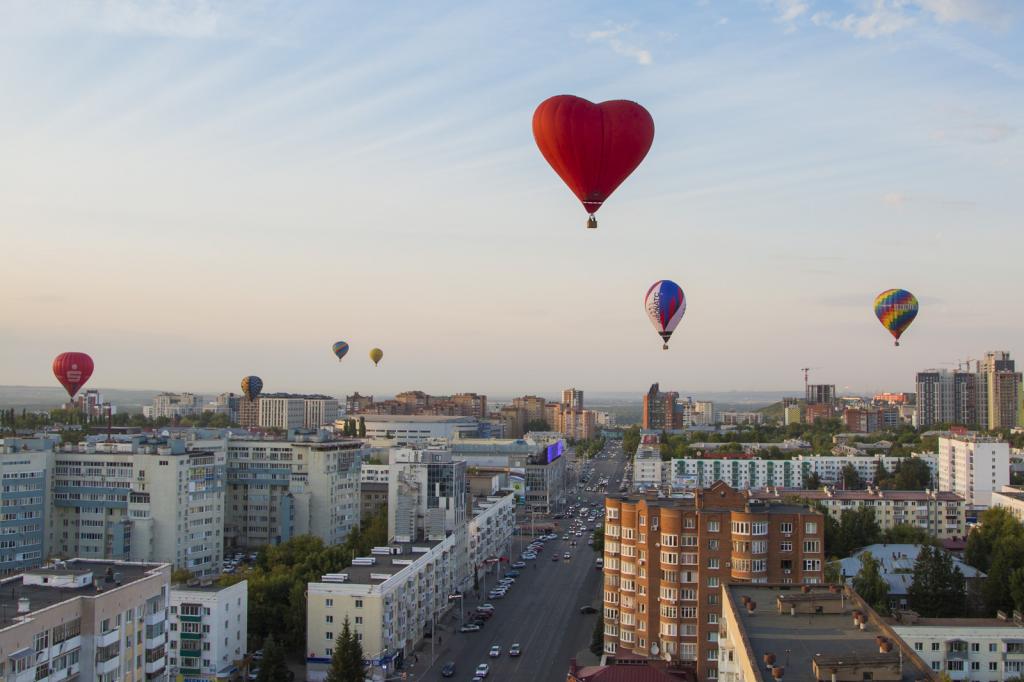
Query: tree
[273, 667]
[537, 425]
[180, 576]
[1017, 588]
[833, 572]
[1007, 558]
[854, 530]
[995, 526]
[938, 587]
[851, 479]
[912, 473]
[906, 534]
[870, 584]
[812, 481]
[599, 540]
[362, 427]
[597, 639]
[347, 657]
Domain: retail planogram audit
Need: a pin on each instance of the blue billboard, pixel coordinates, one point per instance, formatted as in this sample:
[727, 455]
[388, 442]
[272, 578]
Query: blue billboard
[555, 450]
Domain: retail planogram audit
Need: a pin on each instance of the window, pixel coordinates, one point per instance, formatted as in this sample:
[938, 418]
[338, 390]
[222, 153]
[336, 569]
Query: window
[713, 581]
[811, 528]
[329, 602]
[786, 527]
[329, 635]
[812, 564]
[359, 620]
[330, 619]
[759, 528]
[713, 526]
[713, 545]
[713, 563]
[812, 547]
[935, 646]
[359, 603]
[918, 646]
[786, 546]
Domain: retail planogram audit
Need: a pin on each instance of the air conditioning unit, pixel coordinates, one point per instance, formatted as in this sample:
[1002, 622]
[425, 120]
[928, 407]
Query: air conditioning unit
[787, 535]
[787, 571]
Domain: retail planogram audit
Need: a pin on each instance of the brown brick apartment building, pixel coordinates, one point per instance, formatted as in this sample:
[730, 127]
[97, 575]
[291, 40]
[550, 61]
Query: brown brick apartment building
[666, 559]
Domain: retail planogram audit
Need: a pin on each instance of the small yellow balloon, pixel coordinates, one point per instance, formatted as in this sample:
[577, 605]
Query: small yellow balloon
[376, 354]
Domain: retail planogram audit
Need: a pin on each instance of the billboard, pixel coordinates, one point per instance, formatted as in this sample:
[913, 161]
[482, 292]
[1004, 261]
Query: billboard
[518, 485]
[555, 450]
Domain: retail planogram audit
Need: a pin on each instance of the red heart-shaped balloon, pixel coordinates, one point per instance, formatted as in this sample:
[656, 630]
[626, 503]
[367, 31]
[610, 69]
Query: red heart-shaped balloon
[592, 147]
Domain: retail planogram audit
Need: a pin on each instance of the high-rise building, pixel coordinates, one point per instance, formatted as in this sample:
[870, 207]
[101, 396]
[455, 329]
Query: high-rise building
[469, 405]
[973, 466]
[248, 412]
[282, 411]
[427, 494]
[945, 397]
[820, 394]
[226, 404]
[174, 406]
[209, 628]
[85, 620]
[26, 466]
[572, 399]
[534, 407]
[90, 403]
[665, 561]
[514, 420]
[1002, 389]
[319, 410]
[659, 409]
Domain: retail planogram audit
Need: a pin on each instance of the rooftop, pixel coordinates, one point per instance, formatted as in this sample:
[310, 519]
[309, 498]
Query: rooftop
[83, 577]
[828, 638]
[869, 494]
[422, 418]
[386, 565]
[897, 565]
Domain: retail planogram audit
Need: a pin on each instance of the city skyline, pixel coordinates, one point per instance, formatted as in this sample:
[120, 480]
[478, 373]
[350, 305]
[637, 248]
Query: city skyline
[210, 192]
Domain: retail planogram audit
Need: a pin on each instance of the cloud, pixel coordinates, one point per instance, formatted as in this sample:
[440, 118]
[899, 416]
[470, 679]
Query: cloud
[166, 18]
[613, 36]
[993, 13]
[884, 19]
[887, 17]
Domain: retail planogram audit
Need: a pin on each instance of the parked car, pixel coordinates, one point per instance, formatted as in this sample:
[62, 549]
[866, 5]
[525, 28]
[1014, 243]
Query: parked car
[470, 627]
[488, 607]
[519, 564]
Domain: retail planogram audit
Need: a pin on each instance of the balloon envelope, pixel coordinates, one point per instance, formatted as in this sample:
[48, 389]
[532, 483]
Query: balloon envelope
[896, 309]
[592, 147]
[340, 349]
[376, 354]
[665, 304]
[72, 370]
[251, 387]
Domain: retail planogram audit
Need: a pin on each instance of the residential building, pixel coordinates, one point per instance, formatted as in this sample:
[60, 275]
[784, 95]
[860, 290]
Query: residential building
[1012, 499]
[174, 406]
[896, 566]
[356, 404]
[648, 469]
[489, 534]
[871, 419]
[101, 621]
[820, 394]
[141, 500]
[791, 415]
[665, 561]
[248, 412]
[946, 397]
[533, 406]
[659, 410]
[514, 420]
[815, 411]
[572, 399]
[418, 429]
[375, 473]
[1000, 384]
[577, 424]
[817, 633]
[973, 466]
[90, 403]
[277, 489]
[604, 420]
[427, 494]
[986, 649]
[942, 514]
[226, 404]
[208, 633]
[25, 465]
[281, 411]
[537, 458]
[319, 410]
[372, 498]
[740, 418]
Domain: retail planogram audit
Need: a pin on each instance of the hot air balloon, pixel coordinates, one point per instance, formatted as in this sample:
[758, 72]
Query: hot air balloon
[896, 309]
[251, 387]
[72, 371]
[665, 304]
[376, 354]
[340, 349]
[592, 147]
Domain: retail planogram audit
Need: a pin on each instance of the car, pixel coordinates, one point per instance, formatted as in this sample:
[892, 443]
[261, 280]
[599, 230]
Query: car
[530, 556]
[485, 607]
[515, 650]
[554, 557]
[483, 669]
[478, 678]
[479, 622]
[566, 556]
[519, 564]
[565, 537]
[495, 651]
[254, 674]
[470, 627]
[588, 609]
[513, 574]
[496, 594]
[448, 669]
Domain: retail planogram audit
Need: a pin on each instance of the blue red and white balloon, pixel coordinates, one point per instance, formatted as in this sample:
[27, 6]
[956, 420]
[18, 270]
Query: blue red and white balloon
[665, 304]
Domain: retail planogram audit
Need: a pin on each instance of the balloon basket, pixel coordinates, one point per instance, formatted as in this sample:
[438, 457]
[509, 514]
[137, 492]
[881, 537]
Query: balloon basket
[664, 346]
[897, 344]
[592, 222]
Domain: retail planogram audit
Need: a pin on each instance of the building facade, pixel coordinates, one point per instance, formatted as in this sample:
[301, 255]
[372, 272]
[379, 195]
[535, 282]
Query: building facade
[973, 466]
[427, 494]
[946, 397]
[665, 561]
[102, 621]
[174, 406]
[208, 633]
[1011, 499]
[281, 411]
[418, 430]
[986, 649]
[1000, 384]
[820, 394]
[25, 465]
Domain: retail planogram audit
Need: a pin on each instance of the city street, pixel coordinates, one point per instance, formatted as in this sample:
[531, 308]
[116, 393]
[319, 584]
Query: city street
[541, 612]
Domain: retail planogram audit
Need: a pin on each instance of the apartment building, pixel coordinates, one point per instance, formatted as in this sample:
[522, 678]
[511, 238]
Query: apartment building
[820, 394]
[659, 410]
[946, 397]
[489, 534]
[982, 649]
[427, 493]
[208, 633]
[102, 621]
[665, 561]
[813, 633]
[942, 514]
[533, 406]
[141, 500]
[1012, 499]
[1000, 389]
[277, 489]
[319, 410]
[973, 466]
[174, 406]
[25, 466]
[281, 411]
[648, 469]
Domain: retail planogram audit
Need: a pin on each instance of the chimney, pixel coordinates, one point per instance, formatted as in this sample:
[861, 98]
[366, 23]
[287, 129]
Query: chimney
[777, 673]
[885, 647]
[24, 606]
[769, 659]
[751, 605]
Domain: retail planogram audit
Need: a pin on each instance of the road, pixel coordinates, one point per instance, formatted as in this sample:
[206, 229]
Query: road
[542, 610]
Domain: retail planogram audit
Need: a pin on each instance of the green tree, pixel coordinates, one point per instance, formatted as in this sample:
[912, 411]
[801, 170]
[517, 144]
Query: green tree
[906, 534]
[537, 425]
[995, 526]
[870, 584]
[850, 478]
[180, 576]
[937, 590]
[599, 540]
[1007, 558]
[1017, 588]
[630, 440]
[273, 667]
[812, 481]
[597, 639]
[362, 427]
[833, 572]
[855, 529]
[347, 657]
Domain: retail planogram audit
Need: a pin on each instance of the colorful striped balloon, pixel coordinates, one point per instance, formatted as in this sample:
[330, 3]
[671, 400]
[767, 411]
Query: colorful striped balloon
[665, 304]
[252, 386]
[339, 349]
[896, 309]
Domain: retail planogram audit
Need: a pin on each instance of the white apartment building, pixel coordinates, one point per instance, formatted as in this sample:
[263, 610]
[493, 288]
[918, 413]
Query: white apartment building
[426, 494]
[490, 533]
[101, 621]
[1011, 499]
[208, 632]
[143, 500]
[648, 469]
[942, 514]
[174, 406]
[418, 429]
[981, 649]
[973, 466]
[393, 597]
[319, 410]
[374, 473]
[277, 489]
[282, 411]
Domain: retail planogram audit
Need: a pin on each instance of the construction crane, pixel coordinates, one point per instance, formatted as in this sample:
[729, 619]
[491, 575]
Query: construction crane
[805, 370]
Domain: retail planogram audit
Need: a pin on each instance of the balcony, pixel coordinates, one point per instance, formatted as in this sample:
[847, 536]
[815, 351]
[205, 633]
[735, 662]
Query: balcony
[156, 641]
[155, 618]
[155, 666]
[108, 638]
[104, 667]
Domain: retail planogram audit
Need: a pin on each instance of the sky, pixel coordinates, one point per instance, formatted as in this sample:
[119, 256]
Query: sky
[196, 191]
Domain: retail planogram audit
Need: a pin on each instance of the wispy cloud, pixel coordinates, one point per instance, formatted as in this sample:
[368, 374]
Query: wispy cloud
[788, 11]
[165, 18]
[617, 36]
[884, 19]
